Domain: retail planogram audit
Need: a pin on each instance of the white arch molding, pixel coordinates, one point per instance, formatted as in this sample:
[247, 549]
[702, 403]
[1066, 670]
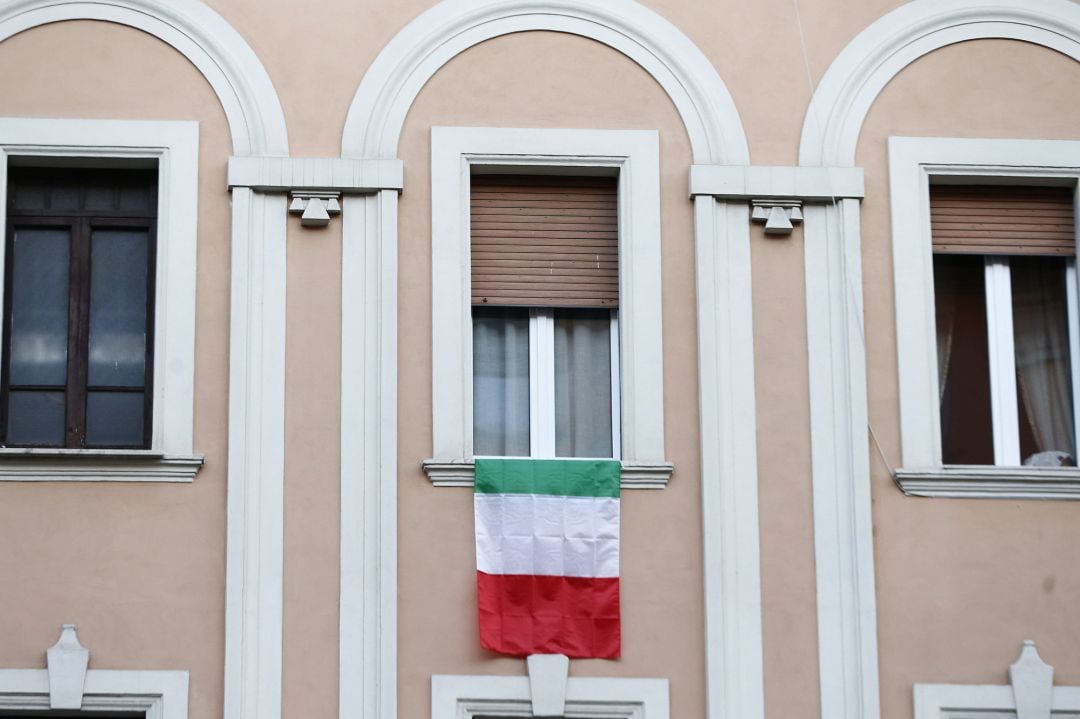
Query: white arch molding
[368, 631]
[388, 89]
[849, 87]
[847, 614]
[257, 326]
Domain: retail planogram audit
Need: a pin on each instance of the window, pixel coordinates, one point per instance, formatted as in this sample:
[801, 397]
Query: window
[78, 308]
[67, 689]
[1005, 309]
[490, 697]
[574, 368]
[100, 220]
[545, 287]
[988, 346]
[1031, 693]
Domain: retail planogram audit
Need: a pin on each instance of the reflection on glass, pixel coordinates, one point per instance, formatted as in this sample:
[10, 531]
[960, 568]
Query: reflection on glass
[1043, 370]
[114, 419]
[35, 418]
[963, 364]
[39, 306]
[583, 383]
[501, 382]
[118, 266]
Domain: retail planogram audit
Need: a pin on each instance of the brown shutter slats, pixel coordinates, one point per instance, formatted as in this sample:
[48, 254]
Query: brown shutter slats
[541, 241]
[992, 220]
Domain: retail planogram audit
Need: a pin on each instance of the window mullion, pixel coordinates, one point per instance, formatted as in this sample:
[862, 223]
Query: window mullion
[999, 334]
[616, 393]
[78, 334]
[542, 382]
[1072, 300]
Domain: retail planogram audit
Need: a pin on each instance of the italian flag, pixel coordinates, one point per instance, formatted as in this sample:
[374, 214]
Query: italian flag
[547, 556]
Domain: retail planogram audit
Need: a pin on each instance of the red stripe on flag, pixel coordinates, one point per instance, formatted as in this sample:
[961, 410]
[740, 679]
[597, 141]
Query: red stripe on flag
[522, 614]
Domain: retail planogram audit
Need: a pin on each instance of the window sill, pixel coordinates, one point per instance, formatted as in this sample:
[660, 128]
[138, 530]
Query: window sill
[634, 476]
[985, 482]
[96, 465]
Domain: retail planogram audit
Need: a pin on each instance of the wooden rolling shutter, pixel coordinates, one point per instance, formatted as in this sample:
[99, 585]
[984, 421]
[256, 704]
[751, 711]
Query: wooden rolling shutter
[992, 220]
[542, 241]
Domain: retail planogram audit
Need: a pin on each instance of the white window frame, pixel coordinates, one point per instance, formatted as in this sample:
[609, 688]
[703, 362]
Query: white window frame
[160, 694]
[465, 697]
[174, 146]
[983, 701]
[913, 161]
[635, 156]
[542, 382]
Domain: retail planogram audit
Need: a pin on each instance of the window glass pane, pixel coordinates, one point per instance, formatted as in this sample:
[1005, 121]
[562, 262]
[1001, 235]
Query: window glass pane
[1043, 370]
[114, 419]
[101, 197]
[35, 418]
[963, 360]
[39, 306]
[501, 382]
[27, 197]
[583, 383]
[64, 197]
[137, 199]
[118, 266]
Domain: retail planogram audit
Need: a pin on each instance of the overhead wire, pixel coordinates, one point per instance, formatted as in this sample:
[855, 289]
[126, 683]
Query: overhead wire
[852, 291]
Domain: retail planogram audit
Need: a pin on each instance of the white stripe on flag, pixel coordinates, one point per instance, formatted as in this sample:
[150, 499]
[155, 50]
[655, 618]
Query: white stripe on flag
[547, 535]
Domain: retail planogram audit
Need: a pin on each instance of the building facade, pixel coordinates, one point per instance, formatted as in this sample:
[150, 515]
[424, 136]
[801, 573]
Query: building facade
[247, 367]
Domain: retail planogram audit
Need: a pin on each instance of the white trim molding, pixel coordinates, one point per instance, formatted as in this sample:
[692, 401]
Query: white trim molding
[285, 174]
[1030, 694]
[174, 149]
[847, 625]
[465, 697]
[915, 162]
[634, 476]
[983, 482]
[66, 684]
[369, 342]
[159, 694]
[635, 156]
[224, 58]
[776, 182]
[403, 67]
[849, 87]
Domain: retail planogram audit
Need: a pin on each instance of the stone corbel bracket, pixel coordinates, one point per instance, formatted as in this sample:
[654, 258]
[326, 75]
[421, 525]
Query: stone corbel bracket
[67, 662]
[315, 207]
[779, 216]
[777, 193]
[315, 184]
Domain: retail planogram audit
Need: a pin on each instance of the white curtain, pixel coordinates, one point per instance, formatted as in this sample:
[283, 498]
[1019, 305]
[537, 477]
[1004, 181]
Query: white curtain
[583, 383]
[945, 304]
[501, 382]
[1041, 333]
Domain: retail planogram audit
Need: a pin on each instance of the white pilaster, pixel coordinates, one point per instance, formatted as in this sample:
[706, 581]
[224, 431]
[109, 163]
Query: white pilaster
[368, 631]
[729, 498]
[843, 543]
[256, 457]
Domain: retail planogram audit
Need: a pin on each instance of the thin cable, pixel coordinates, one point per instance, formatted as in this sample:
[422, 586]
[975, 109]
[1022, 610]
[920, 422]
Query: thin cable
[852, 291]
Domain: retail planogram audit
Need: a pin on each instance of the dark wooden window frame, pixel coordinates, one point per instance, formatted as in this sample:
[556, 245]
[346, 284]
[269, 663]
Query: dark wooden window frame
[81, 224]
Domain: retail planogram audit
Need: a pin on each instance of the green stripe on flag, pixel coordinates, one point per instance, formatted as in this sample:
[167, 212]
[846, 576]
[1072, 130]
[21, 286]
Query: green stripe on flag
[559, 477]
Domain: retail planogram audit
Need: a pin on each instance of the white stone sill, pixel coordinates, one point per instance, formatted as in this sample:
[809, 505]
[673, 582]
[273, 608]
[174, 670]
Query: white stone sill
[444, 473]
[96, 465]
[986, 482]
